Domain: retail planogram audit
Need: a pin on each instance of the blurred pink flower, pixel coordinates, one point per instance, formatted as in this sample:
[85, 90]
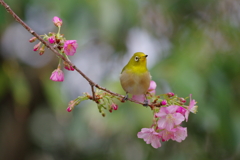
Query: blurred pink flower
[152, 87]
[57, 75]
[57, 21]
[191, 108]
[168, 117]
[166, 135]
[180, 133]
[150, 136]
[70, 47]
[181, 110]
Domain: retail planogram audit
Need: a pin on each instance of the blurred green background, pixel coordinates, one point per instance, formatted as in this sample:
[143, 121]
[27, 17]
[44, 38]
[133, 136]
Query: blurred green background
[193, 47]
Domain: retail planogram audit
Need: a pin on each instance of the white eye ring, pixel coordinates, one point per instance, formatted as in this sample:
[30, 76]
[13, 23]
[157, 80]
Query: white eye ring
[136, 58]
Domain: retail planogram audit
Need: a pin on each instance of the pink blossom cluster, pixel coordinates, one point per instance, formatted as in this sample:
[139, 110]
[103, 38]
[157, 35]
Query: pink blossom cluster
[167, 124]
[65, 47]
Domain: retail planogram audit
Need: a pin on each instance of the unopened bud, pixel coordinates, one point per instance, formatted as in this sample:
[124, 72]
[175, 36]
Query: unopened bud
[103, 114]
[67, 66]
[71, 105]
[182, 100]
[114, 106]
[42, 50]
[164, 102]
[170, 94]
[57, 21]
[37, 46]
[69, 109]
[32, 39]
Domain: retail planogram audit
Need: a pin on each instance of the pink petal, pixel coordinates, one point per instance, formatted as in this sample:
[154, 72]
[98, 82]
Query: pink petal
[156, 142]
[180, 134]
[178, 118]
[172, 108]
[186, 115]
[162, 112]
[162, 123]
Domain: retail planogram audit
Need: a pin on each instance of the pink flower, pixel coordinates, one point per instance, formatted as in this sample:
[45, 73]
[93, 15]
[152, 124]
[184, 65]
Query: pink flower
[181, 110]
[52, 39]
[168, 117]
[180, 133]
[70, 47]
[57, 21]
[114, 106]
[151, 89]
[191, 108]
[150, 136]
[57, 75]
[166, 135]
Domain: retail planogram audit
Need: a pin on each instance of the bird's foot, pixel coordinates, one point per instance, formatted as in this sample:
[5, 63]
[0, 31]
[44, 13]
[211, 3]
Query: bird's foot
[126, 97]
[145, 104]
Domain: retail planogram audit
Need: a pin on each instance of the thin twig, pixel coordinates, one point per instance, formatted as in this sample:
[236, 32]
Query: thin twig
[93, 92]
[47, 44]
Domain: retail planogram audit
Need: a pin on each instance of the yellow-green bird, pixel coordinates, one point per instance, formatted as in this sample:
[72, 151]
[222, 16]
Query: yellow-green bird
[135, 78]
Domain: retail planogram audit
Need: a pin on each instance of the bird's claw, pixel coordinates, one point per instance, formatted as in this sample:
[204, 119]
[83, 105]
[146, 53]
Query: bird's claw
[126, 97]
[145, 104]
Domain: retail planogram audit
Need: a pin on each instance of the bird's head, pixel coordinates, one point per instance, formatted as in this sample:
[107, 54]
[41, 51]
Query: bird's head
[139, 58]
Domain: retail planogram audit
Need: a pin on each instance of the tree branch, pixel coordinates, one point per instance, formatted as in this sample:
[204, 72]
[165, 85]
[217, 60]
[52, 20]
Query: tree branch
[47, 44]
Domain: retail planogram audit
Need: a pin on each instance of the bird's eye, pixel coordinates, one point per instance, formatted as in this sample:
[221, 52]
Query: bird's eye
[136, 58]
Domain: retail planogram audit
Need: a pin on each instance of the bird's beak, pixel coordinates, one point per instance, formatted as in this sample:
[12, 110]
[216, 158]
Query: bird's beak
[146, 55]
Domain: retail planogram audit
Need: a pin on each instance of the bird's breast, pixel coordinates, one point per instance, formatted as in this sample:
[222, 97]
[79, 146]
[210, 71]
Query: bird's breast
[135, 84]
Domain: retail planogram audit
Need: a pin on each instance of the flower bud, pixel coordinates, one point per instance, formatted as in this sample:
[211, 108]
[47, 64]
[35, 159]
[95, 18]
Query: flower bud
[164, 102]
[114, 106]
[103, 114]
[170, 94]
[57, 75]
[37, 46]
[57, 21]
[71, 105]
[32, 39]
[68, 109]
[182, 100]
[42, 50]
[68, 67]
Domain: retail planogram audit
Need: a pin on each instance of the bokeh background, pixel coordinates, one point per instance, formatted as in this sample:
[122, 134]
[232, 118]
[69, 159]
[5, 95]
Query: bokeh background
[193, 47]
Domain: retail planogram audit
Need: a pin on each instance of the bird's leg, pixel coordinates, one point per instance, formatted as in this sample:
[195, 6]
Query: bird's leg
[145, 101]
[126, 97]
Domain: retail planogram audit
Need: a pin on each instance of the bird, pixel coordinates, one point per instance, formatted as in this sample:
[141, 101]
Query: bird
[135, 77]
